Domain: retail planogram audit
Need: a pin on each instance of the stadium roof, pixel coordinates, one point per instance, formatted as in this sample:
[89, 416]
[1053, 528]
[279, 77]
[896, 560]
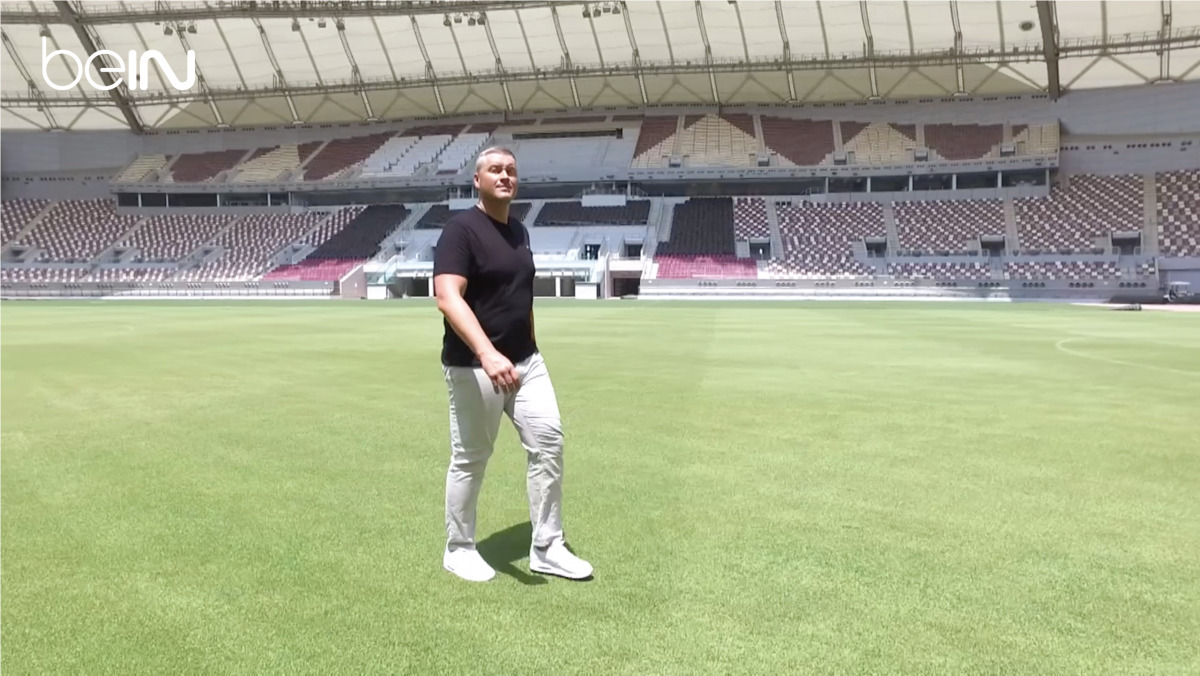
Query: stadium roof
[270, 62]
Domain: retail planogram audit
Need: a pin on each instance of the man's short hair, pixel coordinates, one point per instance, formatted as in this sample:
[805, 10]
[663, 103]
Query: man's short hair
[494, 150]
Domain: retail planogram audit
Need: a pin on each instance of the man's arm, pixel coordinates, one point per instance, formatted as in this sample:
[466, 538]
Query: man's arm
[449, 289]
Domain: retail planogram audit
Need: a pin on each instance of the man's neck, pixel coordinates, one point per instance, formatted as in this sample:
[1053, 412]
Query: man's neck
[495, 208]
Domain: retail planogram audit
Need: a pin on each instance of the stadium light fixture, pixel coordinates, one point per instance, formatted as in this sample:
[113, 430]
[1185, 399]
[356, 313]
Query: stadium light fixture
[295, 25]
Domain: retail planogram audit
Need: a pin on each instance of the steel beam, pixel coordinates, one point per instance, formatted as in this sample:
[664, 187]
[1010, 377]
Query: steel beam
[1050, 50]
[100, 13]
[118, 93]
[895, 59]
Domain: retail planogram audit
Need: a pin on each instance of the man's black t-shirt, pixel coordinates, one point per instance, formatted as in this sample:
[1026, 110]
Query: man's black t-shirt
[496, 260]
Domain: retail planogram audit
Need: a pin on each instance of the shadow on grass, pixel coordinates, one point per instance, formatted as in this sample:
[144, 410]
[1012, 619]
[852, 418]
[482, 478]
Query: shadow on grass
[504, 548]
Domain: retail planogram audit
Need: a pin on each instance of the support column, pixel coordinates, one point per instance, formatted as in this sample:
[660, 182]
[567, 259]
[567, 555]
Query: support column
[558, 287]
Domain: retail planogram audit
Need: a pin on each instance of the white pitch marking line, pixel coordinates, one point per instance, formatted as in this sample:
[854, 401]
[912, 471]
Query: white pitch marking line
[1060, 346]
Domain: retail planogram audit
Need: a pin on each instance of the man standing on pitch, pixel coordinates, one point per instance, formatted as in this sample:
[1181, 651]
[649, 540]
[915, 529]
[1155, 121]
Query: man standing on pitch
[483, 274]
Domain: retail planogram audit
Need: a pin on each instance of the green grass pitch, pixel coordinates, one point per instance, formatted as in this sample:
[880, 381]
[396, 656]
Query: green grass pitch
[245, 487]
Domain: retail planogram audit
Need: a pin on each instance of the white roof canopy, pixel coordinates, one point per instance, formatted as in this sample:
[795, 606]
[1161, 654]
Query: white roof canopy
[272, 62]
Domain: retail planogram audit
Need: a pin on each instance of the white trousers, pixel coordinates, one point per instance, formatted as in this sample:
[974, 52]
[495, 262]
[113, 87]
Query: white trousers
[475, 411]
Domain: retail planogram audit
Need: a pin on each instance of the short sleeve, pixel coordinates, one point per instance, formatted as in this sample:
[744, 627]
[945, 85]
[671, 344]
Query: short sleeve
[453, 253]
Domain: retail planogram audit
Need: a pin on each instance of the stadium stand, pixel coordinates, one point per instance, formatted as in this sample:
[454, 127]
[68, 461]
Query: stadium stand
[750, 218]
[1064, 270]
[879, 142]
[635, 212]
[202, 167]
[818, 238]
[1178, 213]
[1072, 218]
[798, 142]
[656, 142]
[355, 237]
[940, 271]
[341, 154]
[963, 141]
[75, 231]
[171, 237]
[947, 225]
[715, 140]
[17, 214]
[702, 243]
[249, 244]
[438, 214]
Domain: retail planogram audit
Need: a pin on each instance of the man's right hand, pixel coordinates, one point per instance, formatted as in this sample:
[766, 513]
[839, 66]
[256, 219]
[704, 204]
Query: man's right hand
[501, 371]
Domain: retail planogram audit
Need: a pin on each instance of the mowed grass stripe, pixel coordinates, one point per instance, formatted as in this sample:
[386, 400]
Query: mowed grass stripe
[257, 488]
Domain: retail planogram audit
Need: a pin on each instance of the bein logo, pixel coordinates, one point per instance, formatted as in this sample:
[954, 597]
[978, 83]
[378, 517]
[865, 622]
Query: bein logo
[137, 72]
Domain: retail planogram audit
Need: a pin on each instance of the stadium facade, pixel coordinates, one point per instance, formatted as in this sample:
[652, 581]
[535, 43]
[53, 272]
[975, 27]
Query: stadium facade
[706, 149]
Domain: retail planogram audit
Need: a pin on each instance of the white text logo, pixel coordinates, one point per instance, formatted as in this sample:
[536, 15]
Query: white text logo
[137, 72]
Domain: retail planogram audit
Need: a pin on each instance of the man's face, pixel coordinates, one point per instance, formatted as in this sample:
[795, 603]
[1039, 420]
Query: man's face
[496, 177]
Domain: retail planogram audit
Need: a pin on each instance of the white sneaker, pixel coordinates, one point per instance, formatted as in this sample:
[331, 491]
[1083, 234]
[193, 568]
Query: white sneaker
[558, 560]
[467, 564]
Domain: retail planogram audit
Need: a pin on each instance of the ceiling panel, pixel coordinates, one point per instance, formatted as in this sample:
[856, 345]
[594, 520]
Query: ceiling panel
[614, 39]
[400, 41]
[932, 25]
[980, 23]
[683, 29]
[542, 37]
[804, 30]
[843, 23]
[289, 52]
[510, 41]
[761, 24]
[577, 31]
[721, 26]
[1185, 64]
[648, 32]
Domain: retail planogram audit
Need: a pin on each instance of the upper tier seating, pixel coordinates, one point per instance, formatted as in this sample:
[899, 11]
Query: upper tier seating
[266, 165]
[1179, 213]
[142, 167]
[723, 141]
[963, 141]
[438, 214]
[656, 142]
[635, 212]
[461, 150]
[879, 142]
[1036, 139]
[341, 154]
[202, 167]
[798, 142]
